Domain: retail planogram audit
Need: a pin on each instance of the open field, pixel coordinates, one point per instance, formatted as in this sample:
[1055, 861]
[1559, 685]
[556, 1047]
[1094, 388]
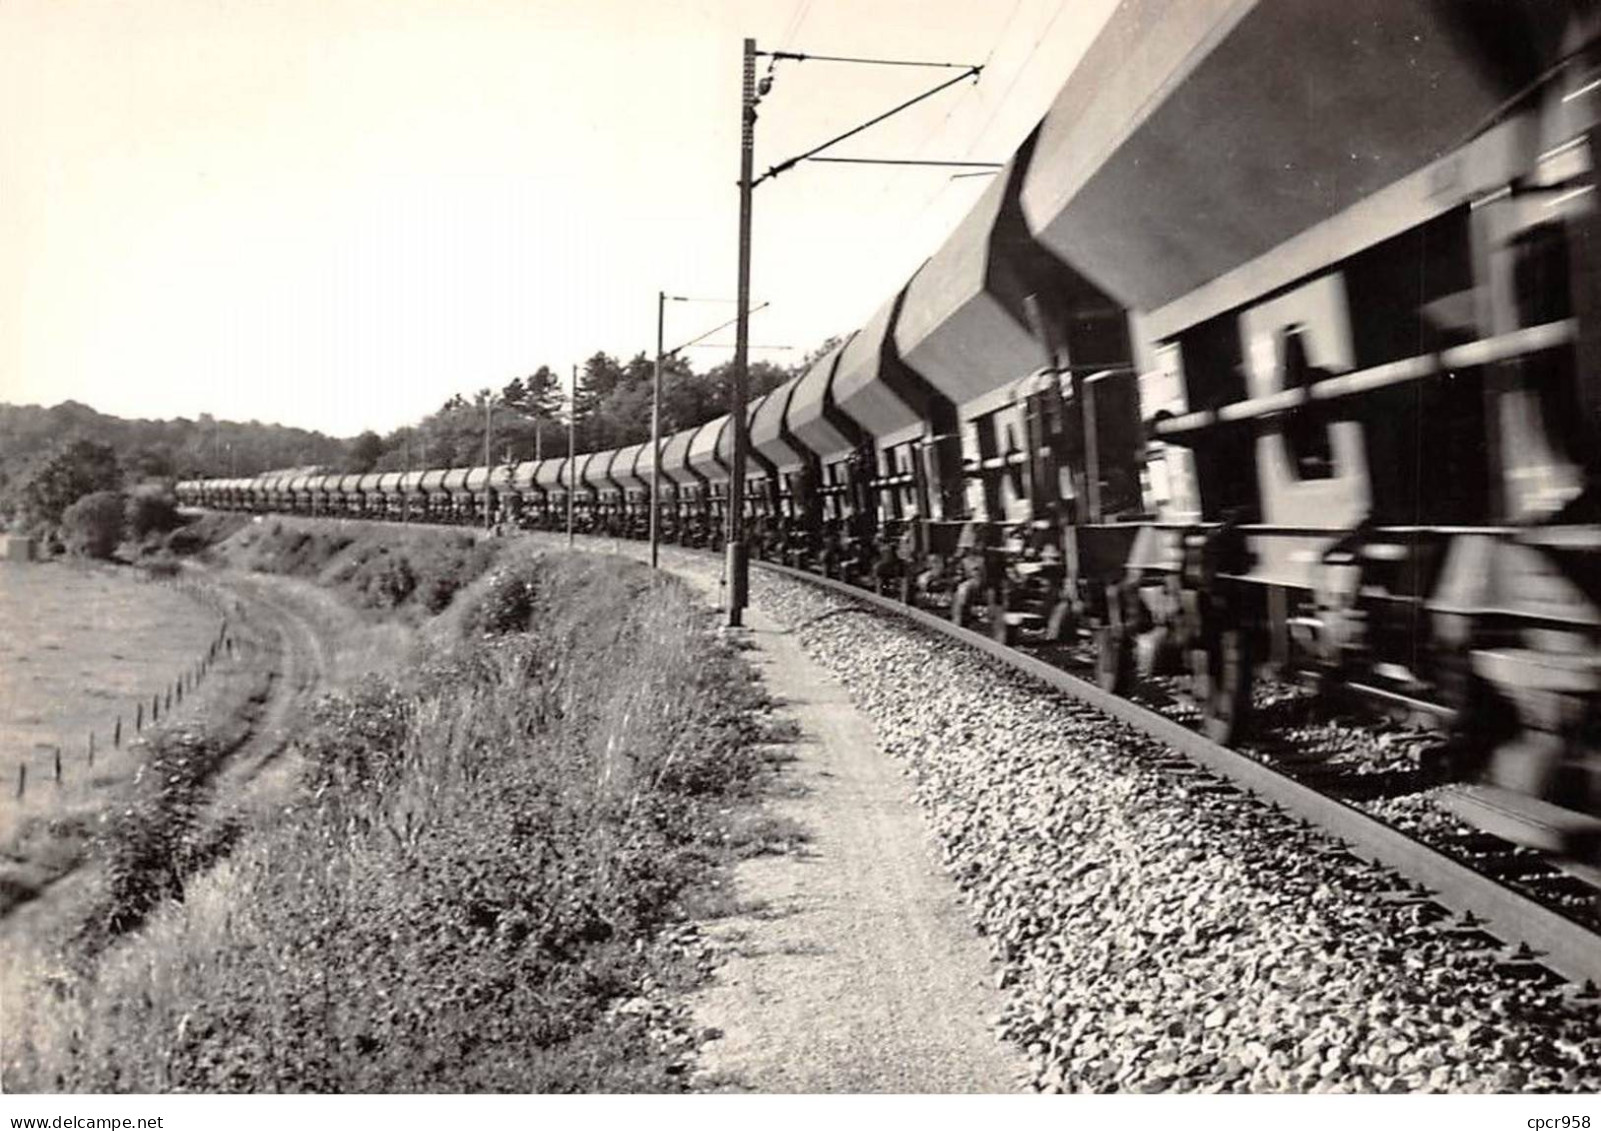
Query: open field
[312, 608]
[79, 647]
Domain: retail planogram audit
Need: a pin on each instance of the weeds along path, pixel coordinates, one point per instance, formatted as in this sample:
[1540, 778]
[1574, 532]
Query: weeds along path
[304, 658]
[322, 643]
[850, 966]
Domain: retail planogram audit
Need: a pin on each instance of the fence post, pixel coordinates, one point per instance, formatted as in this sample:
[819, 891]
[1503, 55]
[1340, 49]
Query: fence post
[58, 765]
[155, 707]
[139, 716]
[22, 779]
[116, 733]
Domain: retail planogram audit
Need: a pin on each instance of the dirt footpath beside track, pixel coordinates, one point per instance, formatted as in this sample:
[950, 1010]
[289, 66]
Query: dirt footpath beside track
[852, 966]
[855, 969]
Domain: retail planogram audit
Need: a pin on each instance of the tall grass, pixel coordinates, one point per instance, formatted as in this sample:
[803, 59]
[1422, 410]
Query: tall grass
[374, 567]
[477, 875]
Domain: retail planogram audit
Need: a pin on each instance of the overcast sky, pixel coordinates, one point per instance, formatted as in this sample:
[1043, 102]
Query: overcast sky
[336, 213]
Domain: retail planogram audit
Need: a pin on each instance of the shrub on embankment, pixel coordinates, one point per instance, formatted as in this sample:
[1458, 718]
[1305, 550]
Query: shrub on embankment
[160, 837]
[197, 534]
[474, 882]
[374, 567]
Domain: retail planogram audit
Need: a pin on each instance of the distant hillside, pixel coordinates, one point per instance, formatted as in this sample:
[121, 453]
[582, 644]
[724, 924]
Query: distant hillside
[158, 449]
[71, 447]
[613, 409]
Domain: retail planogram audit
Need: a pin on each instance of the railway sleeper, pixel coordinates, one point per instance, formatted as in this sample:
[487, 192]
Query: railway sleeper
[1521, 970]
[1425, 911]
[1586, 991]
[1215, 788]
[1175, 766]
[1473, 937]
[1478, 843]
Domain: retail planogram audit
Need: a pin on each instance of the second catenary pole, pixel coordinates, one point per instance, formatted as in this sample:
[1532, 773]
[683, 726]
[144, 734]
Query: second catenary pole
[737, 565]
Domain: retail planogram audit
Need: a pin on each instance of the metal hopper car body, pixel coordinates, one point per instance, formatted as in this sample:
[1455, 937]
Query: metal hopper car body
[1277, 341]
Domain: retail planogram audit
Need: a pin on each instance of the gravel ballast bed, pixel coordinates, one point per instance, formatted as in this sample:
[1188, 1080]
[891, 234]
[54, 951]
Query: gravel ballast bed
[1154, 936]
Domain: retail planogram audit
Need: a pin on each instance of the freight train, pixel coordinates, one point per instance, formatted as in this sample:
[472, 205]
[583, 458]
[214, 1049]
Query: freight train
[1278, 341]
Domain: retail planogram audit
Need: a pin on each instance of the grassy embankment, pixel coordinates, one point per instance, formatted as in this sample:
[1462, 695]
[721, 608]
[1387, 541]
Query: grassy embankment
[417, 571]
[82, 647]
[474, 889]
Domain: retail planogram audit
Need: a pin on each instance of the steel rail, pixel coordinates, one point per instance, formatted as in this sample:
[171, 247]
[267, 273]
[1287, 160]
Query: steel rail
[1560, 944]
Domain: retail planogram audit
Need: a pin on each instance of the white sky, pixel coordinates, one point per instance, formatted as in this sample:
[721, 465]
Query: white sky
[335, 213]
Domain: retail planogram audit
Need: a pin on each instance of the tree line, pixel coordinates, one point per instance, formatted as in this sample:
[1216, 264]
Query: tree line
[50, 458]
[527, 417]
[81, 498]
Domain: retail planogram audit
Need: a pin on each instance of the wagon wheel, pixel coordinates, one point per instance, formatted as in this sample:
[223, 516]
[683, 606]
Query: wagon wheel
[1220, 681]
[1062, 625]
[1159, 653]
[961, 602]
[1114, 659]
[1000, 630]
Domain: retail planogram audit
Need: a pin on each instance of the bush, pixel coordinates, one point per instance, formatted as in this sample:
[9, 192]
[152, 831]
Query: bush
[387, 584]
[92, 526]
[202, 533]
[354, 737]
[77, 469]
[507, 602]
[151, 509]
[154, 843]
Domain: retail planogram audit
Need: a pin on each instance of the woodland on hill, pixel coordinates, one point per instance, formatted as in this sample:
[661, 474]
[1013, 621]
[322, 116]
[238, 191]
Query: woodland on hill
[529, 417]
[47, 454]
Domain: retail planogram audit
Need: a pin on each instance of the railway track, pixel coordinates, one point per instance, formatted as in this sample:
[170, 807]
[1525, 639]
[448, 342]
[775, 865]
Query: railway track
[1528, 934]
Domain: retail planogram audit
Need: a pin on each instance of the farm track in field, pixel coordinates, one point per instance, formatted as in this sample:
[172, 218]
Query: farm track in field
[304, 659]
[293, 648]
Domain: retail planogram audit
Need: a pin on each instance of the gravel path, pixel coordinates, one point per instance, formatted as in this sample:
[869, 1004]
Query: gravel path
[854, 969]
[851, 965]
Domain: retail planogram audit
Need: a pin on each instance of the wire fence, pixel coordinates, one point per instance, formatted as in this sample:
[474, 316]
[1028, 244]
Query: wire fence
[47, 775]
